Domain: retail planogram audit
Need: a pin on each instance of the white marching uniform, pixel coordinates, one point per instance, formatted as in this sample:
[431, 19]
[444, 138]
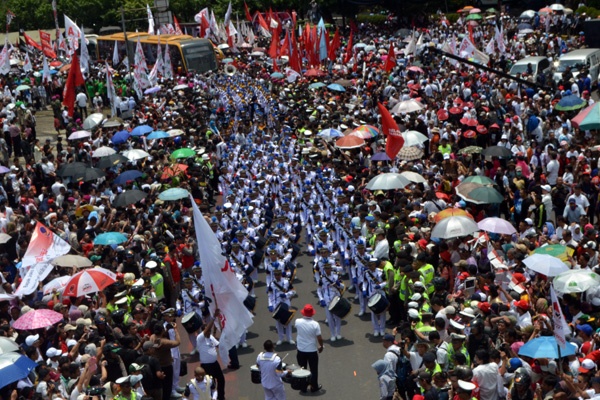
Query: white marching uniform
[374, 283]
[269, 365]
[330, 286]
[281, 292]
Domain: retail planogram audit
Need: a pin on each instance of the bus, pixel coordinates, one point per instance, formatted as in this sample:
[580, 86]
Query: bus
[188, 54]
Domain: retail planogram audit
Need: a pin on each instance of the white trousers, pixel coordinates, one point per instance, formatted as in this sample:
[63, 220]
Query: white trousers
[334, 322]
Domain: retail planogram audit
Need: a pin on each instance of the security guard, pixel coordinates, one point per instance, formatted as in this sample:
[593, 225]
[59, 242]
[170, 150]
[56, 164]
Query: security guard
[156, 280]
[426, 270]
[125, 393]
[457, 346]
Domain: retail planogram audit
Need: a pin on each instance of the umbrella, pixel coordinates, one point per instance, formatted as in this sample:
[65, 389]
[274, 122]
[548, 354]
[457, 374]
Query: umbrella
[183, 153]
[71, 260]
[57, 284]
[413, 176]
[153, 89]
[175, 132]
[79, 135]
[576, 281]
[470, 134]
[330, 133]
[454, 227]
[141, 130]
[479, 179]
[451, 212]
[588, 118]
[135, 154]
[129, 197]
[316, 85]
[110, 238]
[442, 115]
[129, 175]
[496, 225]
[70, 169]
[89, 281]
[3, 169]
[8, 345]
[88, 174]
[113, 122]
[111, 161]
[360, 45]
[470, 150]
[93, 121]
[545, 11]
[525, 26]
[366, 131]
[22, 88]
[570, 103]
[491, 10]
[474, 11]
[527, 14]
[545, 264]
[557, 7]
[407, 106]
[336, 87]
[86, 207]
[177, 169]
[414, 138]
[313, 72]
[103, 151]
[414, 68]
[120, 137]
[174, 194]
[158, 135]
[277, 75]
[14, 367]
[37, 319]
[473, 17]
[349, 142]
[556, 250]
[388, 181]
[483, 195]
[545, 347]
[257, 54]
[409, 153]
[497, 151]
[381, 156]
[182, 86]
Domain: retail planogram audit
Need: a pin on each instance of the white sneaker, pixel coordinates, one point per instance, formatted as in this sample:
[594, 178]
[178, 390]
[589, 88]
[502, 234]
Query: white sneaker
[339, 337]
[237, 346]
[244, 345]
[193, 352]
[279, 342]
[375, 334]
[175, 395]
[292, 342]
[361, 313]
[332, 339]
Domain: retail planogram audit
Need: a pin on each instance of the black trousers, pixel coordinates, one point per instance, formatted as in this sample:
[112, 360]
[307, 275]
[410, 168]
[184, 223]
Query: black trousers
[311, 360]
[167, 384]
[214, 370]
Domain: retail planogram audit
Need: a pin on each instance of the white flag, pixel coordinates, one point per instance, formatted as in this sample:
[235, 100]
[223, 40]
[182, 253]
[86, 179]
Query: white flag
[167, 67]
[159, 59]
[84, 58]
[115, 60]
[110, 90]
[5, 58]
[227, 15]
[489, 49]
[32, 277]
[27, 63]
[291, 75]
[499, 36]
[73, 34]
[139, 60]
[466, 48]
[150, 20]
[561, 329]
[222, 286]
[411, 46]
[46, 76]
[44, 246]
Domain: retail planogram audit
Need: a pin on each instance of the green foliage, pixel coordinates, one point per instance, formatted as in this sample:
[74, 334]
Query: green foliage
[452, 17]
[590, 11]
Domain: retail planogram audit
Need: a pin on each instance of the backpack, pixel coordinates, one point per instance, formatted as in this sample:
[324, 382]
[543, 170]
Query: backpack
[403, 368]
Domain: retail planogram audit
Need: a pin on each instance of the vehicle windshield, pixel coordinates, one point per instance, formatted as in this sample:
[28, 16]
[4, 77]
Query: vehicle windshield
[574, 64]
[521, 69]
[199, 58]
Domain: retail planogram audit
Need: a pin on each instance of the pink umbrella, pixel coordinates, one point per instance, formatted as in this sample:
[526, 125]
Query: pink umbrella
[581, 116]
[349, 142]
[89, 281]
[37, 319]
[414, 68]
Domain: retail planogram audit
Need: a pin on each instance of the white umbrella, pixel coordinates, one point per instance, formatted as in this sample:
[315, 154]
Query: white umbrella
[135, 154]
[413, 177]
[71, 260]
[496, 225]
[388, 181]
[407, 106]
[182, 86]
[576, 281]
[79, 135]
[103, 151]
[414, 138]
[8, 345]
[57, 284]
[545, 264]
[93, 121]
[409, 153]
[175, 132]
[557, 7]
[527, 14]
[454, 227]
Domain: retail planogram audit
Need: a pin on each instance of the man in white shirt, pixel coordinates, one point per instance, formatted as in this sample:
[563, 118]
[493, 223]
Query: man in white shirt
[81, 101]
[271, 371]
[382, 246]
[310, 344]
[486, 375]
[206, 344]
[552, 169]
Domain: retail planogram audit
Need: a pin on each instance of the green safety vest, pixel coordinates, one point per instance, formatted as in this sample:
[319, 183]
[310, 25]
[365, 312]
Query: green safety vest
[121, 397]
[388, 266]
[405, 291]
[428, 273]
[398, 246]
[451, 353]
[158, 283]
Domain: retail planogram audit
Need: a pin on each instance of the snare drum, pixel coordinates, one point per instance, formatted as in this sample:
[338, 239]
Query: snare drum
[255, 375]
[378, 303]
[191, 322]
[300, 379]
[287, 378]
[250, 303]
[340, 307]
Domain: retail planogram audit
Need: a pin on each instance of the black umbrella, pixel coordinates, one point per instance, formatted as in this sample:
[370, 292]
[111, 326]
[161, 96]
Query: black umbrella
[128, 197]
[71, 169]
[497, 151]
[88, 174]
[111, 161]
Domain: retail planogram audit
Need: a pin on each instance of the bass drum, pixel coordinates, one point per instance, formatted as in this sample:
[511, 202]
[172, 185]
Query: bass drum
[191, 322]
[283, 314]
[340, 307]
[378, 303]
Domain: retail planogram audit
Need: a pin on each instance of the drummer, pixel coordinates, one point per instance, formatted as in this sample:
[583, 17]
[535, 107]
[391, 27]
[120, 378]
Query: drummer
[330, 286]
[191, 301]
[271, 371]
[281, 291]
[373, 283]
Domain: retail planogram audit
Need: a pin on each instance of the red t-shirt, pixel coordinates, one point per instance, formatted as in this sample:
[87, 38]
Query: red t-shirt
[175, 273]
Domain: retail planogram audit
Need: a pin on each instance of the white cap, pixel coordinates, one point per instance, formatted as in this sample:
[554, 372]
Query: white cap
[467, 386]
[412, 313]
[456, 325]
[121, 301]
[151, 264]
[416, 297]
[468, 312]
[413, 304]
[52, 352]
[70, 343]
[31, 339]
[529, 221]
[122, 380]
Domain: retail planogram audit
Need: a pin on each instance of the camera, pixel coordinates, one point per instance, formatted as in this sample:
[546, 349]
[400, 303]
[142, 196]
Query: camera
[95, 391]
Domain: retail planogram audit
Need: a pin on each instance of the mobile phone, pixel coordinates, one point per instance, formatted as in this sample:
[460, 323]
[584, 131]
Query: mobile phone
[470, 286]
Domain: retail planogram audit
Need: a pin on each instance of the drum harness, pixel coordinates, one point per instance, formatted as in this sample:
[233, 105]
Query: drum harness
[334, 284]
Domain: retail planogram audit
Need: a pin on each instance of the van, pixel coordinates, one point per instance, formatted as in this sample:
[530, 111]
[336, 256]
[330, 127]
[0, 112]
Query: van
[539, 66]
[578, 59]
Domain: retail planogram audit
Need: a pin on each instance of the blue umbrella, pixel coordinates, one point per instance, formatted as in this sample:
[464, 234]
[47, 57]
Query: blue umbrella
[141, 130]
[337, 87]
[382, 156]
[277, 75]
[14, 367]
[128, 176]
[570, 102]
[108, 238]
[120, 137]
[545, 347]
[158, 135]
[174, 194]
[316, 85]
[330, 133]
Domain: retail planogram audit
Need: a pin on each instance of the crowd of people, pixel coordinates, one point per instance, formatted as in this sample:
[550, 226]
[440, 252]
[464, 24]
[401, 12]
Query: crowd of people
[452, 314]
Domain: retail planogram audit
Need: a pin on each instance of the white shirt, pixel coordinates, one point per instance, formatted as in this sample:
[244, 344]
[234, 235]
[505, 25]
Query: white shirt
[486, 376]
[268, 363]
[552, 170]
[382, 249]
[306, 337]
[207, 348]
[81, 99]
[203, 385]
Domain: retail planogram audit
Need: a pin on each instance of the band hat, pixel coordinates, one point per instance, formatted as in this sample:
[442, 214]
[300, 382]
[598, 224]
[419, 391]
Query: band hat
[466, 386]
[456, 325]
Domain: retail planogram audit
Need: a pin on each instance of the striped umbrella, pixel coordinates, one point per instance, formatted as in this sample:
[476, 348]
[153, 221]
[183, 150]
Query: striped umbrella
[89, 281]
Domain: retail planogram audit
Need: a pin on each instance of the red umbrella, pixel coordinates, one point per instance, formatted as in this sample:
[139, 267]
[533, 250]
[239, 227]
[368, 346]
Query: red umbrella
[470, 134]
[458, 101]
[464, 121]
[313, 72]
[481, 129]
[455, 110]
[414, 86]
[55, 63]
[175, 170]
[89, 281]
[349, 142]
[442, 196]
[442, 115]
[472, 122]
[414, 68]
[494, 126]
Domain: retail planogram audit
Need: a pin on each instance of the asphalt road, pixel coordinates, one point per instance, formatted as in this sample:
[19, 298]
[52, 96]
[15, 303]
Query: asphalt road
[344, 366]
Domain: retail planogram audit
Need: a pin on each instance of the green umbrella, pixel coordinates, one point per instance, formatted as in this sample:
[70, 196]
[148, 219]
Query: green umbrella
[491, 11]
[473, 17]
[484, 195]
[555, 250]
[183, 153]
[316, 85]
[22, 88]
[470, 150]
[482, 180]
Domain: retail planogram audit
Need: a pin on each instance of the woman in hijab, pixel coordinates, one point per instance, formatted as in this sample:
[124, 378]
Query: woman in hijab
[387, 379]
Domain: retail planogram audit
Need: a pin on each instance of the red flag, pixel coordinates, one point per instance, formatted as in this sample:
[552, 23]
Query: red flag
[470, 28]
[274, 48]
[30, 42]
[284, 50]
[295, 61]
[176, 26]
[248, 15]
[390, 63]
[395, 141]
[73, 80]
[334, 45]
[348, 50]
[294, 17]
[47, 44]
[275, 66]
[262, 22]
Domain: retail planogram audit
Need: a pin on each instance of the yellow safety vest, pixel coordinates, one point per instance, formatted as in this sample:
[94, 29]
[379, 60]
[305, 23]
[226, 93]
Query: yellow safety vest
[428, 273]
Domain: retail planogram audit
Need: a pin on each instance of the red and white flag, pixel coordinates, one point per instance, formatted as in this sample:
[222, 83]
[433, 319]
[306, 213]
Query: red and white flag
[44, 246]
[27, 67]
[291, 75]
[176, 26]
[73, 34]
[30, 42]
[561, 329]
[394, 141]
[222, 286]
